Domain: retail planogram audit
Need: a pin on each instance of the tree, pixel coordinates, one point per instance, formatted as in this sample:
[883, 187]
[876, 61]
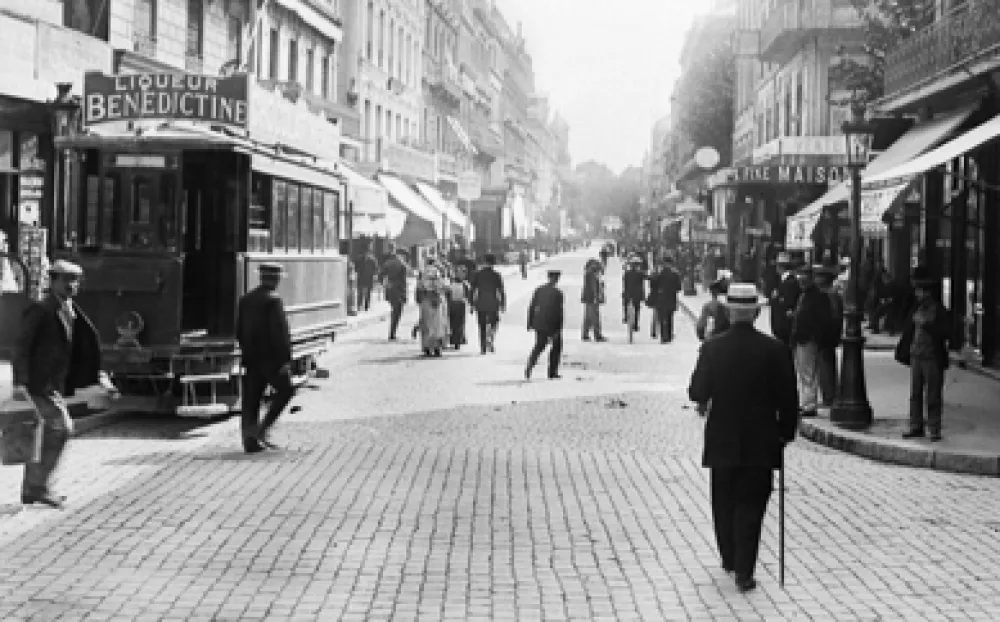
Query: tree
[886, 23]
[704, 103]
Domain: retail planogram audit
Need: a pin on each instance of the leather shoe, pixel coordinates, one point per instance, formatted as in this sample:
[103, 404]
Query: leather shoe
[254, 448]
[53, 501]
[914, 434]
[554, 376]
[934, 437]
[745, 584]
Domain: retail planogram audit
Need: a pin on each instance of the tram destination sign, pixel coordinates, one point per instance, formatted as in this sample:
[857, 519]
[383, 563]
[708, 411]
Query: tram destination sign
[789, 174]
[133, 97]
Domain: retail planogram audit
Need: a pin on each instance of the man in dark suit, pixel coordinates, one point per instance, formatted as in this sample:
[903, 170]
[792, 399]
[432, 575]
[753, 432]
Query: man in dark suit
[545, 317]
[367, 268]
[748, 382]
[784, 299]
[58, 351]
[488, 301]
[668, 284]
[393, 275]
[266, 346]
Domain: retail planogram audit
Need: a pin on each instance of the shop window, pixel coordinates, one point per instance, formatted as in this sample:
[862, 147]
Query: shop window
[305, 219]
[331, 216]
[259, 217]
[279, 195]
[319, 229]
[292, 207]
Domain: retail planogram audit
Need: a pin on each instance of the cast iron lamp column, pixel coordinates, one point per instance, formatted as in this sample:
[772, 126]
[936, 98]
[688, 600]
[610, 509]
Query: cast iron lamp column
[851, 408]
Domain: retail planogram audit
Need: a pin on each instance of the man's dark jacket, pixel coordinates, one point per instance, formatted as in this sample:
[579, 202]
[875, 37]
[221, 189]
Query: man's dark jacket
[634, 285]
[262, 329]
[668, 284]
[46, 360]
[813, 317]
[749, 380]
[487, 291]
[591, 292]
[786, 300]
[394, 273]
[545, 313]
[367, 269]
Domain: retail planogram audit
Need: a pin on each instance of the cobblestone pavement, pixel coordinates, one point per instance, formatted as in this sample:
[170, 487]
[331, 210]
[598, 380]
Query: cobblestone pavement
[451, 489]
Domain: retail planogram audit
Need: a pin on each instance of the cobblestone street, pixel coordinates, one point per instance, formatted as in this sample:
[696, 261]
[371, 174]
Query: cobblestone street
[452, 489]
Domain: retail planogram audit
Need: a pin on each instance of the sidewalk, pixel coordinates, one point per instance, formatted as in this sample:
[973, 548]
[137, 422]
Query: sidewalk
[971, 429]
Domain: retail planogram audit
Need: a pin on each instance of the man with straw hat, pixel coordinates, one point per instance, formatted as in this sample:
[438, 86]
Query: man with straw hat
[58, 351]
[747, 381]
[266, 347]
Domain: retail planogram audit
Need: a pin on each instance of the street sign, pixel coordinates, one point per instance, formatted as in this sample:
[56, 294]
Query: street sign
[470, 187]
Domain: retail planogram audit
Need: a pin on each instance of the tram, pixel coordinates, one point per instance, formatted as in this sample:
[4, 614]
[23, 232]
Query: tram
[170, 224]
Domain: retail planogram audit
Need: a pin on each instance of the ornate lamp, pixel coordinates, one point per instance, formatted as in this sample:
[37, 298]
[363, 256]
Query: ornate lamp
[851, 408]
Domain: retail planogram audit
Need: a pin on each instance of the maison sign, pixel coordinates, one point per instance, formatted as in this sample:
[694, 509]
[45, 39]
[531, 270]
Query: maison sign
[814, 174]
[165, 96]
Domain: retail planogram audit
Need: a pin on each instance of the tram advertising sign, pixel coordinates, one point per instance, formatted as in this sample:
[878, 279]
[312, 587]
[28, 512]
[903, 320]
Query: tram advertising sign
[192, 97]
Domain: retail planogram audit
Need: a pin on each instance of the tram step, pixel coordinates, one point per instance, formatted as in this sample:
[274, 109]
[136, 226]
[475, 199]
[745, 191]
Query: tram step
[220, 377]
[203, 410]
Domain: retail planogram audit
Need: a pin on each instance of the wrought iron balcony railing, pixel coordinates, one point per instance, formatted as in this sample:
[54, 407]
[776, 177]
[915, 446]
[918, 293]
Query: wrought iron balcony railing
[791, 21]
[966, 32]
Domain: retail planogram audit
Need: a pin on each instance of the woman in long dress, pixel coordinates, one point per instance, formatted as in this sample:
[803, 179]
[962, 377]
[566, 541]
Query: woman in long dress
[432, 296]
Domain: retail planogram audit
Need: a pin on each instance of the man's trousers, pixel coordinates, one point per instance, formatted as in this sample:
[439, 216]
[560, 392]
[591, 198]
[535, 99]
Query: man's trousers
[828, 375]
[57, 427]
[256, 379]
[739, 502]
[592, 320]
[543, 339]
[807, 375]
[926, 376]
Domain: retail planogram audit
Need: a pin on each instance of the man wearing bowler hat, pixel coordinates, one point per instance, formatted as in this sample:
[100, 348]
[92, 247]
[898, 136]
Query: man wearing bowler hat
[58, 351]
[746, 378]
[810, 328]
[545, 317]
[783, 299]
[266, 346]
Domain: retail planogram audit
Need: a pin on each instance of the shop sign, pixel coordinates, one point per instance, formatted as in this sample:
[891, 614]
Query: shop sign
[805, 174]
[141, 96]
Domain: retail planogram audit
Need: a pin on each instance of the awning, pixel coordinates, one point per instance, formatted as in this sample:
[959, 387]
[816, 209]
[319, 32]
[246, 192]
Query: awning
[405, 198]
[367, 196]
[454, 215]
[949, 151]
[395, 220]
[416, 232]
[877, 197]
[461, 134]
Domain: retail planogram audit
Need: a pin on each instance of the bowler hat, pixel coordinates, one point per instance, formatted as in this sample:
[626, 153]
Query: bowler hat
[61, 266]
[742, 296]
[554, 272]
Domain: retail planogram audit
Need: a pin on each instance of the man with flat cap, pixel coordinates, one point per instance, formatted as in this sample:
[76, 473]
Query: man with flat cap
[746, 380]
[545, 317]
[266, 346]
[58, 351]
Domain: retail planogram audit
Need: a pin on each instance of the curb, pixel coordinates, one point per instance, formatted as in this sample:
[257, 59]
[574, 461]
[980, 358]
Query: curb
[884, 450]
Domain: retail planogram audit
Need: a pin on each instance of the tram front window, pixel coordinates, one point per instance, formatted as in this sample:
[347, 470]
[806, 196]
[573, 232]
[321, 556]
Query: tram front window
[151, 214]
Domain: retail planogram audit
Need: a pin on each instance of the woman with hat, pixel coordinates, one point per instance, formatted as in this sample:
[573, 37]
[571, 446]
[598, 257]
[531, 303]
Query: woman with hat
[432, 296]
[924, 347]
[713, 312]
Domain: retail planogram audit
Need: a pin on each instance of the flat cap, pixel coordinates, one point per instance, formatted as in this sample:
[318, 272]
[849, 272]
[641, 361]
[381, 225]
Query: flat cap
[61, 266]
[553, 272]
[272, 269]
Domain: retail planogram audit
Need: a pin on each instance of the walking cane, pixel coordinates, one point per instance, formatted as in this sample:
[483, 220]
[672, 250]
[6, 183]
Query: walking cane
[781, 524]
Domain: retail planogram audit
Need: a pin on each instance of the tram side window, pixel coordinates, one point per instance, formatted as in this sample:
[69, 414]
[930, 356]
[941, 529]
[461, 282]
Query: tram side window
[292, 205]
[140, 213]
[167, 212]
[330, 201]
[259, 225]
[111, 201]
[305, 220]
[318, 221]
[278, 198]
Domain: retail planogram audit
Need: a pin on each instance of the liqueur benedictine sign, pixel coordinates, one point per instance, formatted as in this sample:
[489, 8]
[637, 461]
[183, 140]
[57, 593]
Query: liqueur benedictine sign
[132, 97]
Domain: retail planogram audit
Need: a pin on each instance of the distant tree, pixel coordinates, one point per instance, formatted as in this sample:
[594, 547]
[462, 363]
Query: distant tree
[886, 23]
[704, 103]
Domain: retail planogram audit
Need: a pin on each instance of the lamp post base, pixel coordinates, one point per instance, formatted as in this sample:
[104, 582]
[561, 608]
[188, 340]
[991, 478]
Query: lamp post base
[851, 409]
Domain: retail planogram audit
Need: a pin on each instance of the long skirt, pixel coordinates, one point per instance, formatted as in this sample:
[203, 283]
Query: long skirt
[456, 321]
[433, 324]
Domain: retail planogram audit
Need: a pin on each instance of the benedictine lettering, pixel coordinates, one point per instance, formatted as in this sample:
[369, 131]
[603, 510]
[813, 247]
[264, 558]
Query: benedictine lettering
[165, 96]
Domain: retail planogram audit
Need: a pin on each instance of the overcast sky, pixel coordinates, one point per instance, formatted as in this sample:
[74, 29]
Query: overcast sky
[608, 65]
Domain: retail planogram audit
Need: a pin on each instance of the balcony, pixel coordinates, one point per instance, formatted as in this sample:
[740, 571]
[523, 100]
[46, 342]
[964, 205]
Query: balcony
[964, 34]
[792, 22]
[802, 150]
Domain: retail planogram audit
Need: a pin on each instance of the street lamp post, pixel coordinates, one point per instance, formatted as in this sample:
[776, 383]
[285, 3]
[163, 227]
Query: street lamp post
[851, 408]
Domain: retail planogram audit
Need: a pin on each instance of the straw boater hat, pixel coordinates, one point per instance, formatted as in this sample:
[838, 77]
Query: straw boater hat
[270, 269]
[783, 259]
[742, 296]
[61, 266]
